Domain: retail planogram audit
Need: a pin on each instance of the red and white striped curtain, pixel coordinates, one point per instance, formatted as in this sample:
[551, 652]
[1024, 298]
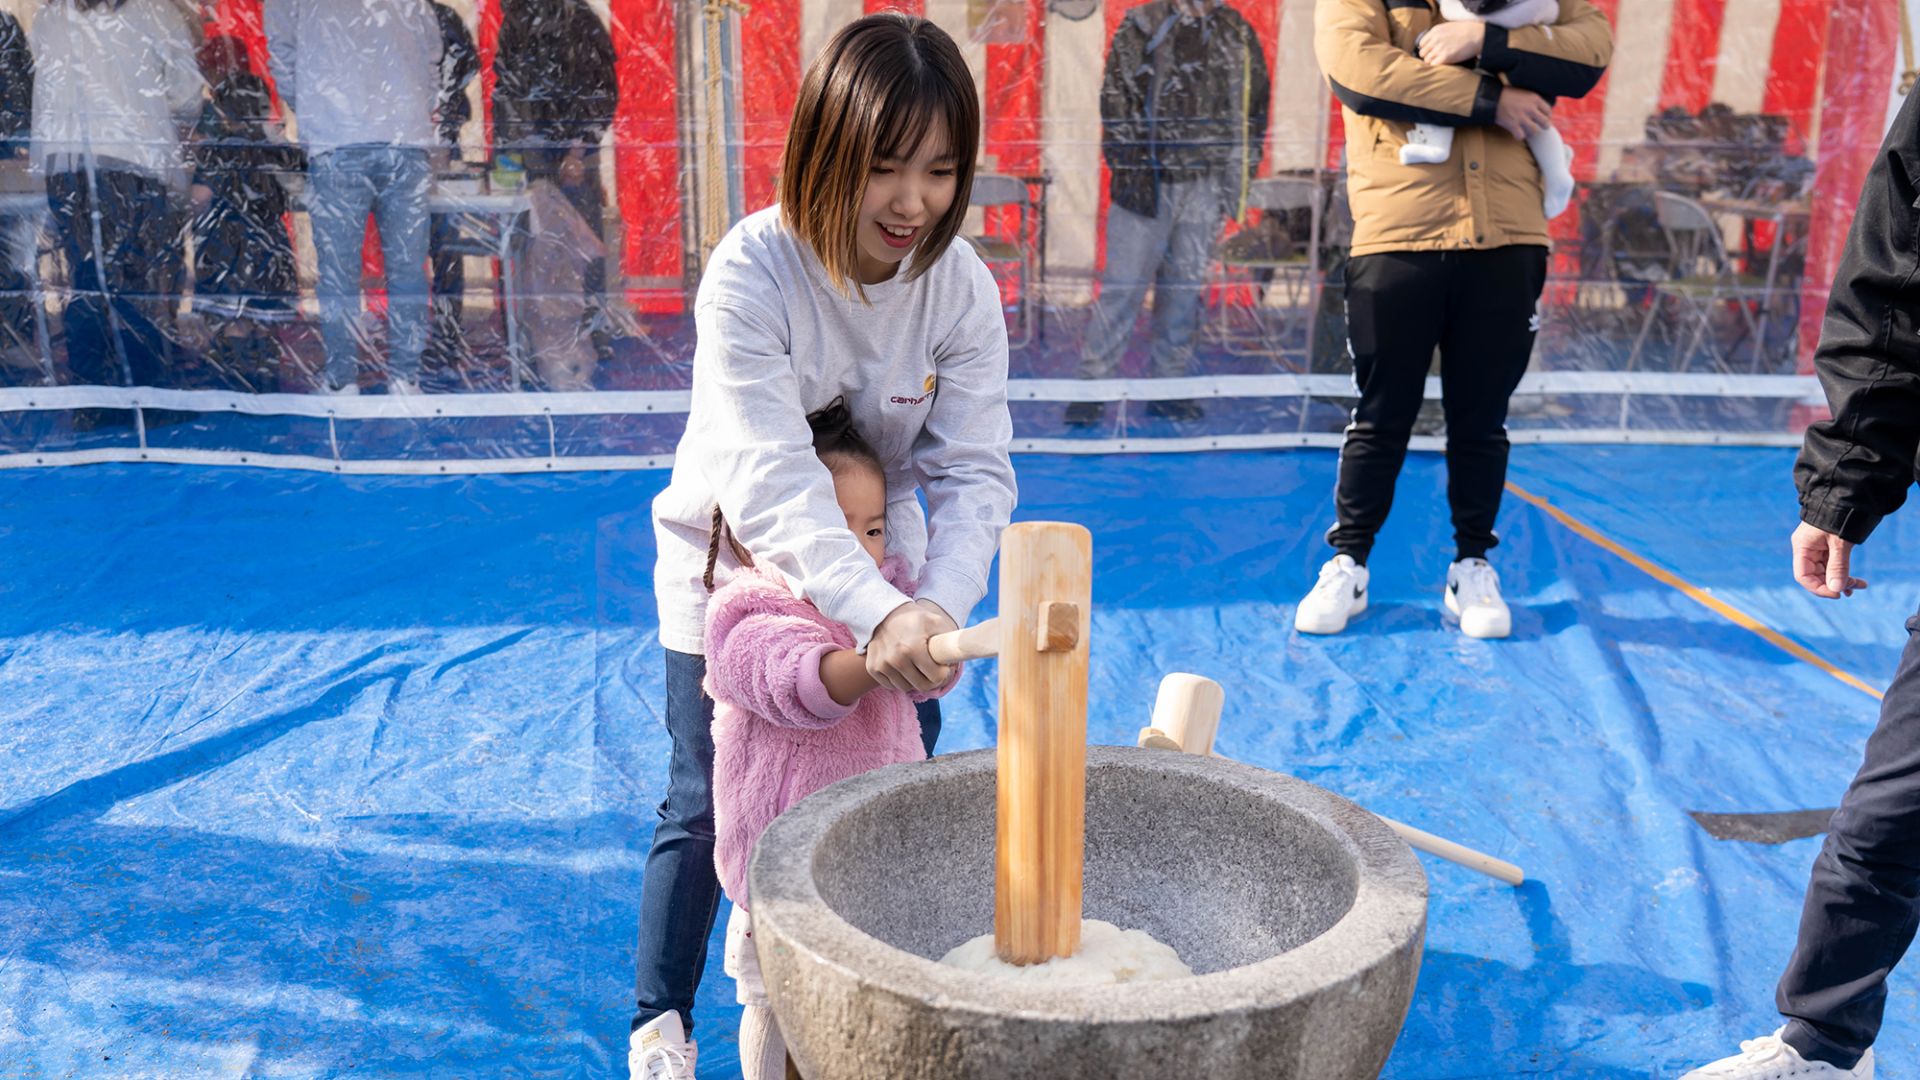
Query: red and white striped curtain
[1827, 66]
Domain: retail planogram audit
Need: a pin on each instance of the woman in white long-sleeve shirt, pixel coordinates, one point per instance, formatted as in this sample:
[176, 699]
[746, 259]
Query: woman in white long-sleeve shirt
[115, 87]
[851, 287]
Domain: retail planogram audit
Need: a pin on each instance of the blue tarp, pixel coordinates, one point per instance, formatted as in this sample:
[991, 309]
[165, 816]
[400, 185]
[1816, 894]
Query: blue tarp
[307, 775]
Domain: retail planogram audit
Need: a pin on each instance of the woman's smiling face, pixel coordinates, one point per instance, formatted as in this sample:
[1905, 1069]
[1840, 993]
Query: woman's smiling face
[905, 197]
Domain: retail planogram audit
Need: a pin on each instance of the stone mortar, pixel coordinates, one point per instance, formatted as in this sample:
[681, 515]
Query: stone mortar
[1301, 914]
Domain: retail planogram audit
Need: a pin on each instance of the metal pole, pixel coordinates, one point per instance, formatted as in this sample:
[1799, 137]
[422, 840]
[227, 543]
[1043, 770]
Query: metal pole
[735, 135]
[686, 44]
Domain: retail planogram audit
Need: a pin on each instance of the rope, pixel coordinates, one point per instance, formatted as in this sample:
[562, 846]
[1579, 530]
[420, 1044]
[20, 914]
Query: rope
[1694, 592]
[1246, 137]
[1908, 73]
[714, 211]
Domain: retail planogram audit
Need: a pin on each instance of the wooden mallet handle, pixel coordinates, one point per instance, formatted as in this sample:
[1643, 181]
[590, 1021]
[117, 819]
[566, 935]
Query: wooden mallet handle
[1056, 629]
[1187, 714]
[977, 642]
[1441, 847]
[1152, 738]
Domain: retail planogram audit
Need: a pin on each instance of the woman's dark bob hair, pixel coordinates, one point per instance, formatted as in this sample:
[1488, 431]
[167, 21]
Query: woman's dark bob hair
[875, 92]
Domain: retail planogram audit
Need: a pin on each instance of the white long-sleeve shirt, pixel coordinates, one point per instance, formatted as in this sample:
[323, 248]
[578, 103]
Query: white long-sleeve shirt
[923, 367]
[356, 72]
[119, 83]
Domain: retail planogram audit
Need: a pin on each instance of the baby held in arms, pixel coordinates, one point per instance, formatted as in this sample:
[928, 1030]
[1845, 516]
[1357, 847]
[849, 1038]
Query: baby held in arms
[1432, 144]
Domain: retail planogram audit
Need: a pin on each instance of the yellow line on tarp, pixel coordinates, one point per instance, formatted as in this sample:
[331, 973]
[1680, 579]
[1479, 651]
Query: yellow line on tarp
[1695, 593]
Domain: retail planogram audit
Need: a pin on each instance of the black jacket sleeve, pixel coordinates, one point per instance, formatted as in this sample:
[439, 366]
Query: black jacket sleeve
[514, 76]
[599, 86]
[1855, 468]
[1123, 129]
[459, 60]
[1564, 60]
[459, 63]
[1353, 40]
[16, 84]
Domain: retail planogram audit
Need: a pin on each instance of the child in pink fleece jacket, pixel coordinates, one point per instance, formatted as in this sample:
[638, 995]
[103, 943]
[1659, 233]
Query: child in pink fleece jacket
[794, 709]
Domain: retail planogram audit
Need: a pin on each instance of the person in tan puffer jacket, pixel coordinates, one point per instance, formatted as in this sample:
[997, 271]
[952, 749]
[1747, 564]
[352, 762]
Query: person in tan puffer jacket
[1450, 256]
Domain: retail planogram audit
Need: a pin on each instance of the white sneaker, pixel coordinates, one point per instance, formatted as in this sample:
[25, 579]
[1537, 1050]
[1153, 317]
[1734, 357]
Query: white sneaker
[351, 389]
[1339, 595]
[402, 387]
[1473, 596]
[660, 1050]
[1770, 1058]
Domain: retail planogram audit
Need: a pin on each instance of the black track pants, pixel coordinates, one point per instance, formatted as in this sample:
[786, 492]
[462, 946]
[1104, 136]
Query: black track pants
[1863, 902]
[1480, 309]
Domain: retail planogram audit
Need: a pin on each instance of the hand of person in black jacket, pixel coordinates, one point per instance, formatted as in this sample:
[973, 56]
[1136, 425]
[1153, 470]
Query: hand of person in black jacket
[1820, 562]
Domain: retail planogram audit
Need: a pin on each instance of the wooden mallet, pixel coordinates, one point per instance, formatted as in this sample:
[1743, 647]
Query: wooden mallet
[1186, 716]
[1040, 638]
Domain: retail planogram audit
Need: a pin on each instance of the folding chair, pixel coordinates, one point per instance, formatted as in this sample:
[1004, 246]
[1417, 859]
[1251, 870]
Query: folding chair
[999, 189]
[1267, 263]
[1699, 277]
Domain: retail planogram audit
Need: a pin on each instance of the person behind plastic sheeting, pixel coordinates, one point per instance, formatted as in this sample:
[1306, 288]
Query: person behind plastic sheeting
[193, 15]
[20, 360]
[1855, 468]
[561, 251]
[554, 96]
[1183, 110]
[362, 78]
[1450, 256]
[244, 283]
[115, 87]
[459, 63]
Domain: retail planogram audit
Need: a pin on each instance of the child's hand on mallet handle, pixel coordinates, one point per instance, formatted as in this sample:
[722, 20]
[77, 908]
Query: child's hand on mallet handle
[897, 657]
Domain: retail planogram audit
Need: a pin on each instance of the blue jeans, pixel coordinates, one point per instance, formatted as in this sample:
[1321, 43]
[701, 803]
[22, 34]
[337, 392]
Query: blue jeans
[127, 284]
[1168, 251]
[680, 892]
[344, 185]
[1863, 903]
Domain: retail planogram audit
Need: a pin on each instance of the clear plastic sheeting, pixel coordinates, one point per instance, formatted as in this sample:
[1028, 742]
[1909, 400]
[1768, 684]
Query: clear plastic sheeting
[506, 200]
[360, 781]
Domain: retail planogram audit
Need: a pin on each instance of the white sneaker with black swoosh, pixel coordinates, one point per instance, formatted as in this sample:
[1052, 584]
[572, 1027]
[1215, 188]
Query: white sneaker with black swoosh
[1339, 595]
[1473, 597]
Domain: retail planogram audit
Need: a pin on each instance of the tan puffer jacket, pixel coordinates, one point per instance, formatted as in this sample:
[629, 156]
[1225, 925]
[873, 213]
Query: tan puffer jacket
[1488, 193]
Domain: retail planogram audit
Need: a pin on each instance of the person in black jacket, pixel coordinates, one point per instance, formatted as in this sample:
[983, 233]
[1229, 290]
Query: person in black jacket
[1863, 902]
[1183, 110]
[19, 355]
[16, 88]
[459, 63]
[554, 95]
[244, 283]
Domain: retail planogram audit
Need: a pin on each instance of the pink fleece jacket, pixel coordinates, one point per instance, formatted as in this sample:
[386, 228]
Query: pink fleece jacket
[778, 736]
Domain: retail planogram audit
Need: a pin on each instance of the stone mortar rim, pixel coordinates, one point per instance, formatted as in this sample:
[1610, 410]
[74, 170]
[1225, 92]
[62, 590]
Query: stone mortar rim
[1391, 895]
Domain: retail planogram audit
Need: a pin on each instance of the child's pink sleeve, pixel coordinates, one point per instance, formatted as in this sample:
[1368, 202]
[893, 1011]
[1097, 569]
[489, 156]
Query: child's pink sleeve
[768, 663]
